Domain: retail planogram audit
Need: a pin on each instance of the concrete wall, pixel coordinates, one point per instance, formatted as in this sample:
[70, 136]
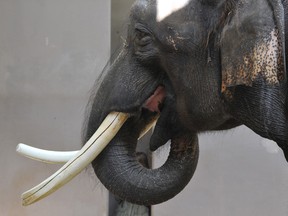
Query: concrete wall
[238, 173]
[50, 54]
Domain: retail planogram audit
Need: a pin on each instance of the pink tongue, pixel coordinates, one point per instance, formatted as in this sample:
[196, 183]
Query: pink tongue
[157, 98]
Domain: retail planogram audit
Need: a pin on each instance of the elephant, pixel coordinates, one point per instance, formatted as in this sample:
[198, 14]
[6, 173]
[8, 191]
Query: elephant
[211, 65]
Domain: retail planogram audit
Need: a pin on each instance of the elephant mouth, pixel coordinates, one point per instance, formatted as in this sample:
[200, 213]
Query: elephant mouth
[155, 102]
[76, 161]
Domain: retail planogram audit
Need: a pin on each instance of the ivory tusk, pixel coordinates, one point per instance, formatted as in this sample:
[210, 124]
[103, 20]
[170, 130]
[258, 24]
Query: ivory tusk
[60, 157]
[52, 157]
[149, 126]
[104, 134]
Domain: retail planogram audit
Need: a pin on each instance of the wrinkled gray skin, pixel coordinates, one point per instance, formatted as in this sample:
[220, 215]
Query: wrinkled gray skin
[220, 66]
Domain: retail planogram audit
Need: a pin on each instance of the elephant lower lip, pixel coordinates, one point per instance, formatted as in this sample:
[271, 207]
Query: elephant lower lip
[153, 103]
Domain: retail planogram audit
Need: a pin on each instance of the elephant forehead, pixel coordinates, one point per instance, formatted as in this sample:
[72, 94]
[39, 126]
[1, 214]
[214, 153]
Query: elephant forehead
[143, 9]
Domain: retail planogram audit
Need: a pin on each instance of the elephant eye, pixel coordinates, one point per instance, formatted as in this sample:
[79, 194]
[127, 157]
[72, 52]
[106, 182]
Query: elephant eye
[142, 39]
[145, 48]
[142, 36]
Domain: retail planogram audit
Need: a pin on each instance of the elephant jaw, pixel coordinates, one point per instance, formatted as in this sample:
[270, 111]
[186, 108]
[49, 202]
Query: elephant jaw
[76, 161]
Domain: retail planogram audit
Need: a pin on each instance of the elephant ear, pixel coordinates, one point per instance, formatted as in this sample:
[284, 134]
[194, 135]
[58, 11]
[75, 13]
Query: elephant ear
[253, 43]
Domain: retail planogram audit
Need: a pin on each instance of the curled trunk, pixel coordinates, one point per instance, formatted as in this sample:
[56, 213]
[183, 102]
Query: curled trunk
[131, 181]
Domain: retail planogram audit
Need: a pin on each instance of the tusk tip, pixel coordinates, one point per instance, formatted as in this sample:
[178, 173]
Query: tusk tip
[19, 147]
[29, 198]
[25, 202]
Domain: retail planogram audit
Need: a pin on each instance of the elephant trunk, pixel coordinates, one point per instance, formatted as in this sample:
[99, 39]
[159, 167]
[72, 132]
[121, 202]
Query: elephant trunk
[131, 181]
[142, 93]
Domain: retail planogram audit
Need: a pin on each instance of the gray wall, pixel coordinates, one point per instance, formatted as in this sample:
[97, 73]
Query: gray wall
[50, 54]
[238, 173]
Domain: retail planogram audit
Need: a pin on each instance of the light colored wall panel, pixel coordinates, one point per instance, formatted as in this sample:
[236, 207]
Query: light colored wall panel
[238, 173]
[50, 54]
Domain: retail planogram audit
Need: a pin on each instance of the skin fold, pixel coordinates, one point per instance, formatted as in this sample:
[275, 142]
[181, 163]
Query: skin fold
[211, 65]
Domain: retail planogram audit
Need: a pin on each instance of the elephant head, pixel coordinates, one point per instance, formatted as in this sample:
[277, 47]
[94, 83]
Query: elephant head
[194, 70]
[180, 67]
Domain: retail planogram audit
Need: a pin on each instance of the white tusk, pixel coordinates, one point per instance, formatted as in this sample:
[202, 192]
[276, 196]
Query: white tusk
[104, 134]
[148, 127]
[60, 157]
[52, 157]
